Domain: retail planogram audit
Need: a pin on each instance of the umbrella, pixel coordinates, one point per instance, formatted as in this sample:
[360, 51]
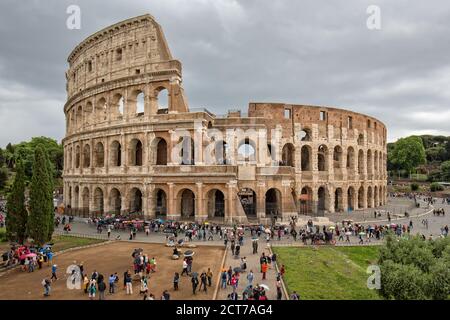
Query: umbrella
[332, 228]
[28, 255]
[362, 233]
[189, 253]
[194, 274]
[255, 239]
[265, 287]
[348, 233]
[267, 231]
[181, 241]
[237, 269]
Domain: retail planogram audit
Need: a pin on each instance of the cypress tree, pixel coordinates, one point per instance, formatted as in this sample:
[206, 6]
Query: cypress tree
[51, 185]
[39, 199]
[16, 219]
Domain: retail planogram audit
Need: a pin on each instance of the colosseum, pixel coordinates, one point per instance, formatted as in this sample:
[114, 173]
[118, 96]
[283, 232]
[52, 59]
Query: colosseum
[134, 147]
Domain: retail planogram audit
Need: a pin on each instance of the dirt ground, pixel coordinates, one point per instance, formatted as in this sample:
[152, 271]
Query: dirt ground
[110, 258]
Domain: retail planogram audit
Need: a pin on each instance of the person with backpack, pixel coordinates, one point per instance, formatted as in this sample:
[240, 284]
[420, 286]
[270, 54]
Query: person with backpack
[194, 281]
[54, 267]
[176, 280]
[203, 280]
[92, 290]
[223, 279]
[128, 283]
[46, 284]
[112, 280]
[101, 290]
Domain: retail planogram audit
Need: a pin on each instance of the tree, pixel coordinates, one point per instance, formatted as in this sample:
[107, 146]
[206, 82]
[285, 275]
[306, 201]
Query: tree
[408, 153]
[445, 168]
[51, 188]
[40, 208]
[17, 215]
[3, 177]
[413, 268]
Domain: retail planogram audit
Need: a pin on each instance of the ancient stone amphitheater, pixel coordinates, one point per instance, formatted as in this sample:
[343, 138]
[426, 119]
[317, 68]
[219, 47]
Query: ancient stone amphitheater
[128, 150]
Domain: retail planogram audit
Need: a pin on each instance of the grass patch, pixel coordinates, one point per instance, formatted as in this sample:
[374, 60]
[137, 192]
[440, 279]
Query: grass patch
[328, 273]
[2, 234]
[67, 242]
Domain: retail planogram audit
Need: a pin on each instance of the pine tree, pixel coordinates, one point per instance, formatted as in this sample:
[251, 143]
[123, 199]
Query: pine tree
[16, 219]
[39, 199]
[51, 217]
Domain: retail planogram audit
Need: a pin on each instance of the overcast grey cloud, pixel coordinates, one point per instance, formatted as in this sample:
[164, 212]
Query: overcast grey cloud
[233, 52]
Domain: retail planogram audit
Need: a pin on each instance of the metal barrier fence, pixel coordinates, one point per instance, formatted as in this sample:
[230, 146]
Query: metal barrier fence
[81, 235]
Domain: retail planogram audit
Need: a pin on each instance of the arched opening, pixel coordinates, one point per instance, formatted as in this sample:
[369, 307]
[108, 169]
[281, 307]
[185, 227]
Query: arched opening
[220, 152]
[305, 134]
[270, 154]
[101, 110]
[247, 150]
[288, 155]
[79, 117]
[338, 200]
[161, 152]
[135, 201]
[322, 158]
[162, 100]
[115, 201]
[116, 154]
[273, 203]
[136, 152]
[375, 162]
[161, 203]
[380, 196]
[351, 199]
[361, 162]
[369, 197]
[98, 202]
[321, 204]
[306, 158]
[87, 112]
[86, 156]
[360, 139]
[361, 198]
[119, 105]
[350, 160]
[99, 155]
[337, 157]
[69, 200]
[248, 200]
[69, 159]
[375, 193]
[140, 103]
[306, 201]
[76, 198]
[77, 156]
[216, 204]
[369, 162]
[187, 151]
[187, 203]
[85, 201]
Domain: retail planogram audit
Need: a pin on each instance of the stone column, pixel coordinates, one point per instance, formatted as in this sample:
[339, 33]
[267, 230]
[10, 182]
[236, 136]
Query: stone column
[198, 145]
[200, 214]
[330, 194]
[345, 200]
[261, 200]
[151, 201]
[171, 209]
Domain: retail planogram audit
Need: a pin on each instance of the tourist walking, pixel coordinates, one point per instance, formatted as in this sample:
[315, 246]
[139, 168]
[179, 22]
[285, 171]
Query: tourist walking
[176, 280]
[112, 280]
[54, 268]
[47, 287]
[250, 277]
[209, 275]
[101, 289]
[194, 281]
[203, 281]
[92, 289]
[128, 283]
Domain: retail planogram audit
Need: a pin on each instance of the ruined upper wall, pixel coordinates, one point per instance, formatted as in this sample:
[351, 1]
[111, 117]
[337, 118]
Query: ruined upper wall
[128, 48]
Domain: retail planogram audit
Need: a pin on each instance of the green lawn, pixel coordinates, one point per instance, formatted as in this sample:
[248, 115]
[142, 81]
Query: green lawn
[2, 234]
[67, 242]
[331, 273]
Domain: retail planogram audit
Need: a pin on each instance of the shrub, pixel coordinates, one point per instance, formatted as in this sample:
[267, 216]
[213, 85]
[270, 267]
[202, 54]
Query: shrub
[414, 187]
[436, 187]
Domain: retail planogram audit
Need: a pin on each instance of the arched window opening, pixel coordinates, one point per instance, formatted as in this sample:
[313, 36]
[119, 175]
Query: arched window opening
[187, 205]
[140, 103]
[306, 201]
[77, 157]
[361, 162]
[247, 150]
[306, 158]
[161, 153]
[273, 203]
[187, 151]
[337, 157]
[338, 200]
[136, 201]
[116, 154]
[136, 153]
[248, 199]
[350, 199]
[115, 201]
[221, 151]
[163, 99]
[350, 160]
[288, 155]
[161, 203]
[86, 156]
[361, 139]
[322, 158]
[216, 204]
[99, 155]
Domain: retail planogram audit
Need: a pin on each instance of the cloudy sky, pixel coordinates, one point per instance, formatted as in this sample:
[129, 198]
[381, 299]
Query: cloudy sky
[316, 52]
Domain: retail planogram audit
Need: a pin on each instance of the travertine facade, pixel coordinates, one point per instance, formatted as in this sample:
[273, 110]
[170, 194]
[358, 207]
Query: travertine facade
[126, 153]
